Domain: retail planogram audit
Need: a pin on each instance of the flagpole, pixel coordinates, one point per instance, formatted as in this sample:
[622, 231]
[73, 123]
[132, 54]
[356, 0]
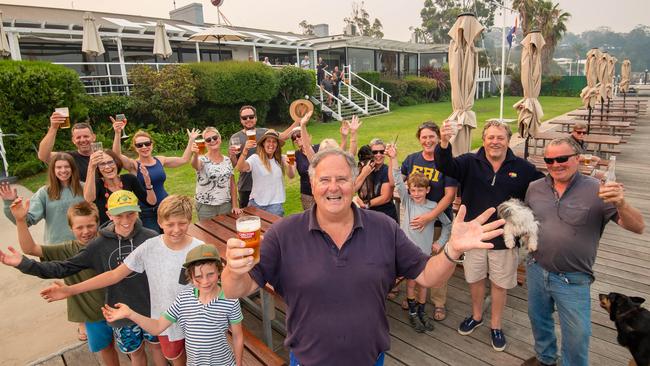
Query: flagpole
[503, 58]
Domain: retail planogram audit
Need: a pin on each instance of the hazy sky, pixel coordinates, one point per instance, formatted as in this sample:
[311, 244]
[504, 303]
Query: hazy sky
[396, 16]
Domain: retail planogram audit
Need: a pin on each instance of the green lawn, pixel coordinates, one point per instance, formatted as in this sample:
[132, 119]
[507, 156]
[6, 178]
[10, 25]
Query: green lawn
[402, 122]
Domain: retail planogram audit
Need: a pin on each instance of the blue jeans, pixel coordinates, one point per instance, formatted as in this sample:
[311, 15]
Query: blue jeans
[569, 293]
[274, 208]
[293, 361]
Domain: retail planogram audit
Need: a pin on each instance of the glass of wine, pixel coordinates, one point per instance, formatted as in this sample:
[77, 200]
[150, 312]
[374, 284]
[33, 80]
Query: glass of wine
[122, 118]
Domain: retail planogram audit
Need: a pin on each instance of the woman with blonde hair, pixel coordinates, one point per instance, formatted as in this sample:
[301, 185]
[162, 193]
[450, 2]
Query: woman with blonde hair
[267, 167]
[51, 201]
[143, 145]
[216, 192]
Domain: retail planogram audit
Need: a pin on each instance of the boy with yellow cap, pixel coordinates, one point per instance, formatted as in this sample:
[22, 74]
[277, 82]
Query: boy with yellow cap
[116, 240]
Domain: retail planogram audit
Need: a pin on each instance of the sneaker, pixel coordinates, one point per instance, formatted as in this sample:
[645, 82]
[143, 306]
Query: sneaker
[468, 325]
[415, 323]
[427, 324]
[498, 339]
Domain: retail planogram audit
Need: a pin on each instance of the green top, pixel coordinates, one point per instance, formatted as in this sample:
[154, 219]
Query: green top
[85, 307]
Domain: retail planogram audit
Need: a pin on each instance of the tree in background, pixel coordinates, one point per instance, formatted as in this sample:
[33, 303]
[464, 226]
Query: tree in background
[438, 16]
[359, 20]
[548, 18]
[306, 28]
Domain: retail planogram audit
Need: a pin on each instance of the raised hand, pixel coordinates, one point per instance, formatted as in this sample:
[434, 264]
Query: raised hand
[345, 128]
[305, 119]
[145, 175]
[96, 158]
[193, 134]
[391, 151]
[446, 133]
[470, 235]
[120, 311]
[250, 144]
[118, 126]
[239, 258]
[12, 258]
[195, 148]
[6, 192]
[612, 192]
[18, 209]
[355, 124]
[56, 291]
[56, 120]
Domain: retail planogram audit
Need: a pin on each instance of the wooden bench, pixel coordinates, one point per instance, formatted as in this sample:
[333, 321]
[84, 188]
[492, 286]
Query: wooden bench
[257, 353]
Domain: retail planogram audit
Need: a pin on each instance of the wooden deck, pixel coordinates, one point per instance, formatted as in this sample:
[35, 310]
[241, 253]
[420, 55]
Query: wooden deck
[622, 266]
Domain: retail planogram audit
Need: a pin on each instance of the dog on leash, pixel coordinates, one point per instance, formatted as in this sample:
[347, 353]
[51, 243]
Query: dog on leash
[520, 222]
[632, 323]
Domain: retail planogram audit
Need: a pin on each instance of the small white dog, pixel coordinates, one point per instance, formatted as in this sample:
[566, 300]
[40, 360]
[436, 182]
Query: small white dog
[520, 222]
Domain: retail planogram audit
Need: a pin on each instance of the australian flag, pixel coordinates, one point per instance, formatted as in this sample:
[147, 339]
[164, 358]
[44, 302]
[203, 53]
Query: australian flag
[511, 34]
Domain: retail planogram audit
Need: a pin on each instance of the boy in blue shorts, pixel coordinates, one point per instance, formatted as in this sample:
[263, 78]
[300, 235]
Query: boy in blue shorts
[415, 203]
[116, 240]
[162, 258]
[83, 219]
[202, 312]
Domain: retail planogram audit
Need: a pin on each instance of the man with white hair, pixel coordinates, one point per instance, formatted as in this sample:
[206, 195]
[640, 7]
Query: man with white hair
[334, 265]
[572, 210]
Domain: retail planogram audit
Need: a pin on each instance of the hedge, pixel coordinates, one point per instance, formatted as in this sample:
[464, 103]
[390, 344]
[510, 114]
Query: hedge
[29, 92]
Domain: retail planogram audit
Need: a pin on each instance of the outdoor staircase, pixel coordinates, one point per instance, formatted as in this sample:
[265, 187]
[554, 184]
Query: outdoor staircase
[352, 100]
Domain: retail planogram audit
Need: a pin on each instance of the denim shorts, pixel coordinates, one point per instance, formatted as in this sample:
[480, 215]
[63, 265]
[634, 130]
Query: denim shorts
[100, 335]
[129, 338]
[274, 208]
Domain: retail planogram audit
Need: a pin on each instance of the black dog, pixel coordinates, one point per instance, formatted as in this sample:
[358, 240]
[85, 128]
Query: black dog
[632, 323]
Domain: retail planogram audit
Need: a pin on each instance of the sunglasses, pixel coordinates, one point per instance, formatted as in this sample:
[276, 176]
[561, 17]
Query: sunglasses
[105, 164]
[376, 152]
[211, 138]
[244, 118]
[558, 159]
[580, 132]
[140, 145]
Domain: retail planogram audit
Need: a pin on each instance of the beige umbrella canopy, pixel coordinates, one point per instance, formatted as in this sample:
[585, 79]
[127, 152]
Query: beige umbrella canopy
[589, 93]
[529, 110]
[161, 46]
[4, 42]
[463, 64]
[216, 33]
[92, 42]
[626, 67]
[611, 71]
[602, 75]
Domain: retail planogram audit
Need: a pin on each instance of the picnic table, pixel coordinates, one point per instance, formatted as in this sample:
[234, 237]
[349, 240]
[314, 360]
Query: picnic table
[615, 127]
[605, 144]
[595, 114]
[216, 231]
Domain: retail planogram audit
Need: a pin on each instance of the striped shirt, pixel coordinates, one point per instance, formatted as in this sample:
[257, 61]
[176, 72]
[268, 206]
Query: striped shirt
[205, 327]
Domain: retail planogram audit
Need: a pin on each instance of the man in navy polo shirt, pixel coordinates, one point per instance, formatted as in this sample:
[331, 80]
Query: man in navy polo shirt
[334, 265]
[487, 178]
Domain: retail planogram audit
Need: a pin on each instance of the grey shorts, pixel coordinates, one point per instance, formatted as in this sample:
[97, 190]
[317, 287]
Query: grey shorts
[204, 211]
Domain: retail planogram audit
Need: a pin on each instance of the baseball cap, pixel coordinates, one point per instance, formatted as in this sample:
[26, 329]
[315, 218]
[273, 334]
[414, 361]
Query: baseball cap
[122, 201]
[201, 253]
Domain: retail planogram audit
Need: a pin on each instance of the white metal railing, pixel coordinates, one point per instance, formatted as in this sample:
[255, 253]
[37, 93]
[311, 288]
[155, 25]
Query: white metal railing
[347, 96]
[106, 81]
[377, 94]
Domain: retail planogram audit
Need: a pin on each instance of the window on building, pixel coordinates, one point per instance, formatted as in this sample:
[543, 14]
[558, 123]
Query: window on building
[361, 59]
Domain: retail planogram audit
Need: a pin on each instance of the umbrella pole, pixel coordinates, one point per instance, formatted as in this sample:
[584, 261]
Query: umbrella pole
[609, 100]
[526, 148]
[589, 108]
[624, 93]
[602, 105]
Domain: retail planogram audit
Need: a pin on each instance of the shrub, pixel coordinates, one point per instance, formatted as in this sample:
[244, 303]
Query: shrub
[293, 83]
[395, 87]
[421, 88]
[373, 77]
[101, 107]
[29, 92]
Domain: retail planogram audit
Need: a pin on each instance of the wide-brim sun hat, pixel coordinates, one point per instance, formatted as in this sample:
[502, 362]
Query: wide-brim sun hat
[268, 134]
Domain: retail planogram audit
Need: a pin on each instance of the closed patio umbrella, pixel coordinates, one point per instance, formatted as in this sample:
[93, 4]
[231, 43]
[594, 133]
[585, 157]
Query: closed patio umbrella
[92, 42]
[602, 80]
[4, 42]
[529, 109]
[463, 64]
[626, 68]
[589, 93]
[161, 46]
[611, 73]
[217, 33]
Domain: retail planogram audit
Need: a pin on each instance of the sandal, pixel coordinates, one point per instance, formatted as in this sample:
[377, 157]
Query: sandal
[405, 305]
[393, 293]
[439, 313]
[81, 336]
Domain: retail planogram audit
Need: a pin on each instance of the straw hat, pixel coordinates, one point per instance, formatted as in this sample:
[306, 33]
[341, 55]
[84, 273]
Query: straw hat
[299, 108]
[268, 134]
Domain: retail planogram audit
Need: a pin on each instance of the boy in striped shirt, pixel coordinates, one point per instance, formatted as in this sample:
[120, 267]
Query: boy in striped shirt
[202, 312]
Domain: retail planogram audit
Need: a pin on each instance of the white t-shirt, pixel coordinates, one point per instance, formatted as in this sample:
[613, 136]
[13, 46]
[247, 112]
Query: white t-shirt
[213, 181]
[268, 187]
[165, 274]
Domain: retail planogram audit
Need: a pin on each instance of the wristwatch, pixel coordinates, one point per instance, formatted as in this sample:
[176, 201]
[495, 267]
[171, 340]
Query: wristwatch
[460, 260]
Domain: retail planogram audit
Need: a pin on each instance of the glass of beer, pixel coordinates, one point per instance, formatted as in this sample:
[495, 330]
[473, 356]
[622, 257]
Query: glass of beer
[96, 146]
[291, 157]
[200, 143]
[251, 135]
[235, 142]
[587, 159]
[65, 112]
[249, 231]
